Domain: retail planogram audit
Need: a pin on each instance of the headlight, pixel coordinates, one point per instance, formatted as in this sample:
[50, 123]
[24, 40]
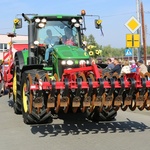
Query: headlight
[81, 62]
[63, 62]
[37, 20]
[69, 62]
[73, 20]
[80, 21]
[43, 20]
[36, 42]
[87, 62]
[77, 25]
[41, 25]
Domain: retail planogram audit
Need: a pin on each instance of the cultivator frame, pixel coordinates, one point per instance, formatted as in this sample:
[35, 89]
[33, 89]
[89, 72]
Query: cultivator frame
[129, 91]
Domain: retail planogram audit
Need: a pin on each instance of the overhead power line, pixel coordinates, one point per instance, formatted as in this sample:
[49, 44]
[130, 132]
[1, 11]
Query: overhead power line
[120, 14]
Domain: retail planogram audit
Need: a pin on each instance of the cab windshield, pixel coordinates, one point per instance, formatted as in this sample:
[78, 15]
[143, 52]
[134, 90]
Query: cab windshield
[58, 32]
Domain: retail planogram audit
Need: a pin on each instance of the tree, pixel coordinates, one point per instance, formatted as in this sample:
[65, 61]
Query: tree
[107, 51]
[91, 40]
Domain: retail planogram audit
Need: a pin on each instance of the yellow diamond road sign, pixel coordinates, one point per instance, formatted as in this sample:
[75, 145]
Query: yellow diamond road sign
[132, 24]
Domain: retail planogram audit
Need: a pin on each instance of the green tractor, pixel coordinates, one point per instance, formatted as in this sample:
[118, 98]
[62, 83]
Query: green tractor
[54, 76]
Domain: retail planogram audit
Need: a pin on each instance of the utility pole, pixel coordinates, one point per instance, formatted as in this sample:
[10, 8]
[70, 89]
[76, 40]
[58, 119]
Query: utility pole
[143, 33]
[139, 29]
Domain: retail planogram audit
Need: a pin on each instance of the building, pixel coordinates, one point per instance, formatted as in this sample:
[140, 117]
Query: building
[19, 42]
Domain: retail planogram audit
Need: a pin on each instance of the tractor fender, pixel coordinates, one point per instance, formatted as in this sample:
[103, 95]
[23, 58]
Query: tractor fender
[20, 58]
[31, 67]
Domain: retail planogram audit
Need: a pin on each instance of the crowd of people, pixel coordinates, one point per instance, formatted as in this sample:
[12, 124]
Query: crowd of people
[125, 66]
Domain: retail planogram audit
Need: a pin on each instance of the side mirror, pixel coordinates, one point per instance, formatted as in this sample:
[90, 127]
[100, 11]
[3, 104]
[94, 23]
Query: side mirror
[98, 24]
[18, 23]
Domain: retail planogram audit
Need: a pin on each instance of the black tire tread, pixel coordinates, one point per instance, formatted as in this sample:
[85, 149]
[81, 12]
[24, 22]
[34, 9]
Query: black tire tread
[17, 102]
[30, 118]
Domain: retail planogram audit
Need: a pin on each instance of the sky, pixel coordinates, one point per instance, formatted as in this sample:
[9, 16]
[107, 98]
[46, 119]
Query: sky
[113, 13]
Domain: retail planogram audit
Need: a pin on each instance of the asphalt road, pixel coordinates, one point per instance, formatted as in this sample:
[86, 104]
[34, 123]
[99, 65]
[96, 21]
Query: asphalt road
[130, 131]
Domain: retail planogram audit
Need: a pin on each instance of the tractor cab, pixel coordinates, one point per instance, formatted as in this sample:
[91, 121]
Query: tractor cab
[55, 41]
[56, 33]
[50, 31]
[59, 31]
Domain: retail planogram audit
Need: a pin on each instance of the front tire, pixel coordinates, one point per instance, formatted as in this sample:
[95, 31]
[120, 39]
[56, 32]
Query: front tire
[31, 113]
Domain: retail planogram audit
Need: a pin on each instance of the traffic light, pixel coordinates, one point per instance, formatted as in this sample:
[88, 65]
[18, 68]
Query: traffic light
[98, 23]
[18, 23]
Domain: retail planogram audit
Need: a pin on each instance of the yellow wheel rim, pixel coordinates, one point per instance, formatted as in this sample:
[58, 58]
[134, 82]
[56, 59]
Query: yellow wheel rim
[25, 98]
[15, 86]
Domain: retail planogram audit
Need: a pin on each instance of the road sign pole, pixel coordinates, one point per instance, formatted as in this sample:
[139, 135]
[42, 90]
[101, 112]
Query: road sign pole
[133, 40]
[132, 53]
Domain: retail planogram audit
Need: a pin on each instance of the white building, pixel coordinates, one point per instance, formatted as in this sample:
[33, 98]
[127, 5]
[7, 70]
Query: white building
[19, 42]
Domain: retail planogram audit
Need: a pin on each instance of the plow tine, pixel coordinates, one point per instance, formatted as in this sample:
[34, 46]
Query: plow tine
[38, 101]
[77, 99]
[87, 100]
[64, 100]
[51, 98]
[147, 105]
[109, 98]
[119, 98]
[129, 101]
[140, 100]
[99, 99]
[148, 97]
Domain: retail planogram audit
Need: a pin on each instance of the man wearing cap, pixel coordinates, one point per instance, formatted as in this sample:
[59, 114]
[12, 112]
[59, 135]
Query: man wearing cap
[142, 67]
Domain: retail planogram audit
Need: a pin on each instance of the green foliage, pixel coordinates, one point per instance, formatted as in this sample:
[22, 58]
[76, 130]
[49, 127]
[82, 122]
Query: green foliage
[107, 51]
[148, 50]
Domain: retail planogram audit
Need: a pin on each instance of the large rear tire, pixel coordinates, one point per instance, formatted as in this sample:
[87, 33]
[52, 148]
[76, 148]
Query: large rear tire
[25, 94]
[30, 113]
[16, 88]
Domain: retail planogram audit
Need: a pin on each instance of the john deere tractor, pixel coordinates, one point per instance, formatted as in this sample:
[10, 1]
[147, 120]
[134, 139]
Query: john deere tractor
[66, 81]
[58, 77]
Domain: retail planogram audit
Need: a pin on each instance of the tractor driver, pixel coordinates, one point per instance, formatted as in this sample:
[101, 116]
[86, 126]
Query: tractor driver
[50, 42]
[68, 38]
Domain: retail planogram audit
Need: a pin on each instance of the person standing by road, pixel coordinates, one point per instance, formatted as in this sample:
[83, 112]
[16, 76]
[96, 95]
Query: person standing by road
[110, 64]
[148, 67]
[142, 67]
[133, 66]
[117, 67]
[126, 68]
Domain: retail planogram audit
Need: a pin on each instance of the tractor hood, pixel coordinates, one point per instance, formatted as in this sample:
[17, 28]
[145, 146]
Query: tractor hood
[69, 52]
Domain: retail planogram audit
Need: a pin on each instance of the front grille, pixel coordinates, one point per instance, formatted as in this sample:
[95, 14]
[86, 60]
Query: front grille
[62, 67]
